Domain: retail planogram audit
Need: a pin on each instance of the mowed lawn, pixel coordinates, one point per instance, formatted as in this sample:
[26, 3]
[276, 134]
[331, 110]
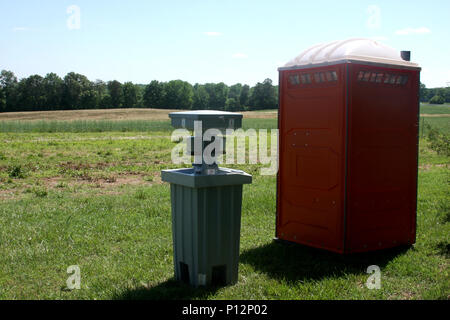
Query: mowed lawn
[86, 190]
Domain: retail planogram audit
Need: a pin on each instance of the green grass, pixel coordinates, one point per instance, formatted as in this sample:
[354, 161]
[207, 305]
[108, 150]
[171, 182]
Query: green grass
[434, 109]
[440, 123]
[55, 126]
[84, 126]
[95, 199]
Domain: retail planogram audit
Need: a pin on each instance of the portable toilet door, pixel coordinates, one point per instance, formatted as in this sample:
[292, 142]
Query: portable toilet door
[348, 148]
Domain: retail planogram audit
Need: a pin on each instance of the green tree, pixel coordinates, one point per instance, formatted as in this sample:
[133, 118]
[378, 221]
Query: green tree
[9, 86]
[103, 100]
[106, 102]
[244, 96]
[217, 95]
[447, 94]
[89, 97]
[116, 93]
[2, 100]
[232, 104]
[140, 95]
[264, 96]
[130, 97]
[235, 91]
[178, 95]
[74, 86]
[422, 93]
[444, 93]
[32, 93]
[201, 97]
[75, 91]
[437, 100]
[154, 95]
[54, 88]
[7, 79]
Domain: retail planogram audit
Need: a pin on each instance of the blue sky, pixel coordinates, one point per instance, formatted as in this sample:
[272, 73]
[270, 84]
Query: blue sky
[209, 41]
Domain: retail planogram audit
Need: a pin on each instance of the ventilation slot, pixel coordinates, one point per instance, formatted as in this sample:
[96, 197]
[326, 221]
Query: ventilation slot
[219, 276]
[184, 272]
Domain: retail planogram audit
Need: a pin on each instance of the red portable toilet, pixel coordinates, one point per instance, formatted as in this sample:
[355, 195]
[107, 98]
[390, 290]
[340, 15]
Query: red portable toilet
[348, 148]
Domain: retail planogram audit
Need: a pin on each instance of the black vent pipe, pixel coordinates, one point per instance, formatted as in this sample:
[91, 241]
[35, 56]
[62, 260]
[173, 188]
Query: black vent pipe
[406, 55]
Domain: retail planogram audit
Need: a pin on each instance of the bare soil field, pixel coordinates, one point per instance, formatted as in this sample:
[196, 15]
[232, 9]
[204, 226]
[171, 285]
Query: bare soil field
[112, 114]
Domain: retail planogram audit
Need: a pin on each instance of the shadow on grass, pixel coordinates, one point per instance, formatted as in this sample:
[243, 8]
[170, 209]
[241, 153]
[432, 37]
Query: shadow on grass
[294, 262]
[291, 262]
[446, 218]
[444, 249]
[168, 290]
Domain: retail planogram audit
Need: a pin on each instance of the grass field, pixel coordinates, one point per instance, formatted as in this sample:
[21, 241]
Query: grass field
[443, 109]
[88, 192]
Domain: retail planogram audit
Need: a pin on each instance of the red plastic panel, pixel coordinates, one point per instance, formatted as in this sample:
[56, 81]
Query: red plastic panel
[311, 165]
[382, 157]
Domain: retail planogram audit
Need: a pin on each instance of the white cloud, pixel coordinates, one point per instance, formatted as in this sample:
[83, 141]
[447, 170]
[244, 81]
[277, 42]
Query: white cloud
[408, 31]
[212, 33]
[374, 19]
[20, 29]
[239, 56]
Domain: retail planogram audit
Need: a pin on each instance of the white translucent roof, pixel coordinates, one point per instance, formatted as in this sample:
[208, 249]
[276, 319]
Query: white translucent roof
[359, 49]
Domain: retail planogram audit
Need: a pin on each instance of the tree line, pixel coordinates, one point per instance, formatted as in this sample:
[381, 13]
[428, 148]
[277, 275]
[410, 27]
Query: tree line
[76, 91]
[434, 95]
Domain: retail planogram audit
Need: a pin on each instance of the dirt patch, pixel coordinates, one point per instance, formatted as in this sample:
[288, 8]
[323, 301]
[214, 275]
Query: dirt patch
[111, 114]
[69, 165]
[7, 194]
[91, 139]
[273, 114]
[428, 166]
[405, 295]
[434, 115]
[126, 114]
[94, 185]
[100, 182]
[124, 180]
[93, 114]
